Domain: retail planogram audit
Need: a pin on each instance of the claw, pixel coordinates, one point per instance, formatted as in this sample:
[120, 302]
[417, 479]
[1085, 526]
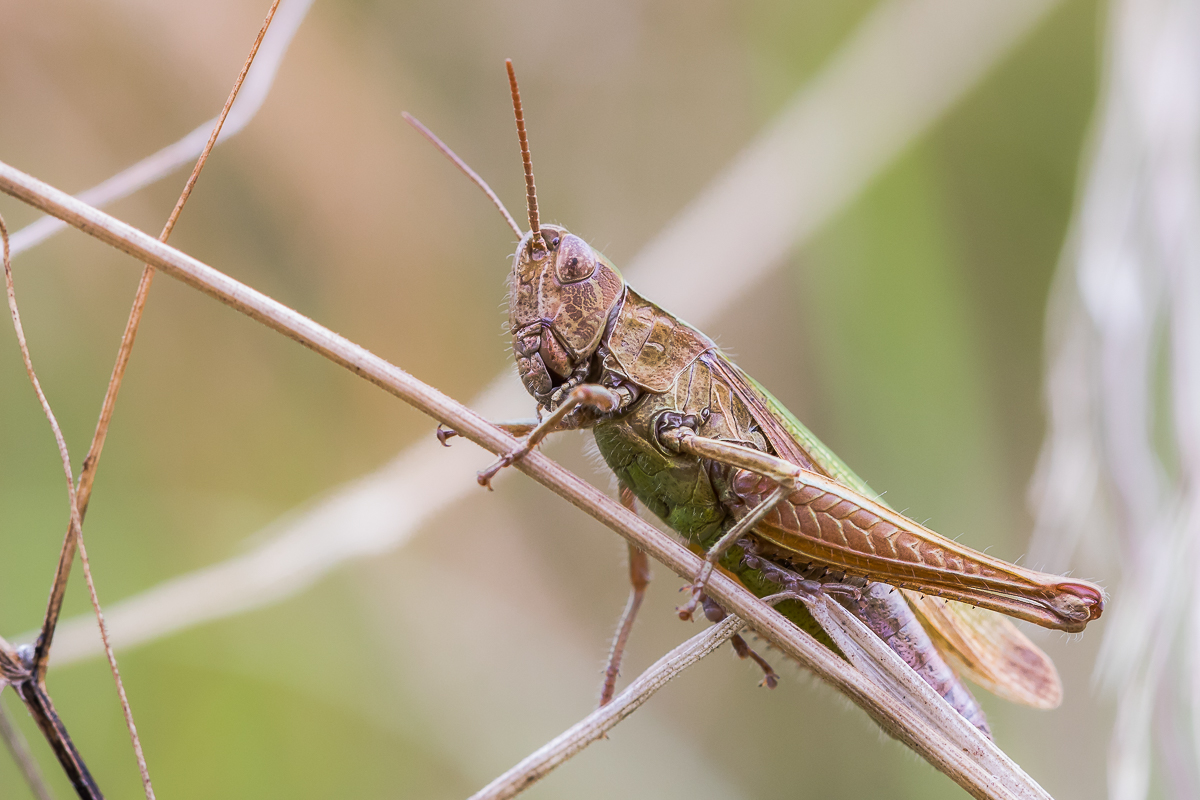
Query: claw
[685, 611]
[485, 476]
[853, 592]
[743, 650]
[444, 434]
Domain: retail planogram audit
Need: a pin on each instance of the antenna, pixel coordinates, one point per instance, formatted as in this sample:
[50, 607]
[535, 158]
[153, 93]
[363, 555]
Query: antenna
[462, 165]
[530, 189]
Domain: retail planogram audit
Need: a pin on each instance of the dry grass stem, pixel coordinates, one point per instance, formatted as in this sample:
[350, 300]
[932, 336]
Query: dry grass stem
[864, 649]
[82, 495]
[895, 717]
[874, 658]
[75, 533]
[92, 460]
[14, 740]
[594, 726]
[14, 672]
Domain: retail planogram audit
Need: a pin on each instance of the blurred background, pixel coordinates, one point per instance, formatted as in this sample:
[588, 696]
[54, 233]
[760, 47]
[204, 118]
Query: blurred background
[907, 328]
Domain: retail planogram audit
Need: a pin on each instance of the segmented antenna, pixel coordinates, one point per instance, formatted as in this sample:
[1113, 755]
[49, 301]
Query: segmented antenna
[530, 189]
[462, 165]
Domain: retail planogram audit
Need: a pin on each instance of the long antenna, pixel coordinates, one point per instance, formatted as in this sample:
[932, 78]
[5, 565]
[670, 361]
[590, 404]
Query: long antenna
[530, 189]
[462, 165]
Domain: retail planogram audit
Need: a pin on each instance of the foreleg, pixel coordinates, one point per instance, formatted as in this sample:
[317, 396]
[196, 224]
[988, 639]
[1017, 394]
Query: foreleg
[588, 395]
[516, 427]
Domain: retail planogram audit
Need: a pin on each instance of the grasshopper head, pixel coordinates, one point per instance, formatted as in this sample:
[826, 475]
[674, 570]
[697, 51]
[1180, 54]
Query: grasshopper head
[560, 296]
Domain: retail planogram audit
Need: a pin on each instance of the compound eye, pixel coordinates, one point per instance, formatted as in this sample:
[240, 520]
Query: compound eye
[576, 260]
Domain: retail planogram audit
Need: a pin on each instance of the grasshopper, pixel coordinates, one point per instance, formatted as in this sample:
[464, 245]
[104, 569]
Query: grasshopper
[725, 465]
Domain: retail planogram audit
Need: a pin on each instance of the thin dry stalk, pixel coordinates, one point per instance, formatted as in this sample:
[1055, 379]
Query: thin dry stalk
[594, 726]
[871, 655]
[77, 524]
[92, 460]
[862, 648]
[81, 498]
[32, 689]
[88, 474]
[14, 740]
[41, 708]
[897, 719]
[13, 671]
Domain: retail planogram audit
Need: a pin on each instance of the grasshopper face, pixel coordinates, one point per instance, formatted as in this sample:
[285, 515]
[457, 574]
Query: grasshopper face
[561, 293]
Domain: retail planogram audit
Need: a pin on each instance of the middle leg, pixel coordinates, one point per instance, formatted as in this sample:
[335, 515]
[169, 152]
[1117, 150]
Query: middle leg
[588, 395]
[639, 579]
[684, 439]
